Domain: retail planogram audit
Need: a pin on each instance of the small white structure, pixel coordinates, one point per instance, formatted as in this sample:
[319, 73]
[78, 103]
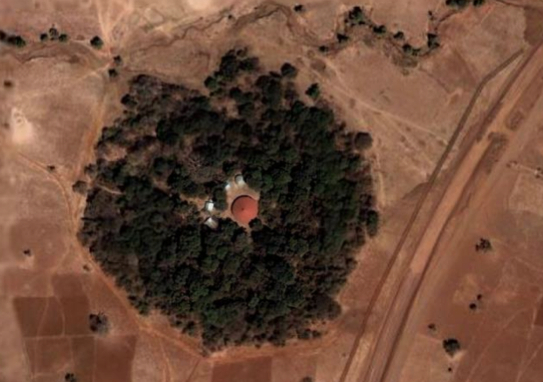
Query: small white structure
[239, 180]
[209, 206]
[227, 186]
[211, 223]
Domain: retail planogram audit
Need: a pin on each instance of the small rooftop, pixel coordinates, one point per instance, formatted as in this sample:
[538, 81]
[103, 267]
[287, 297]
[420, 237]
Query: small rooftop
[211, 223]
[240, 181]
[209, 206]
[244, 209]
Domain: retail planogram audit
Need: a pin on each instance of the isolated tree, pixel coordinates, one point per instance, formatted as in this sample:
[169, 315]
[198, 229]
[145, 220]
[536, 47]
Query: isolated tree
[372, 222]
[70, 377]
[118, 60]
[341, 38]
[313, 91]
[407, 48]
[288, 71]
[451, 346]
[112, 73]
[98, 323]
[96, 42]
[483, 245]
[399, 35]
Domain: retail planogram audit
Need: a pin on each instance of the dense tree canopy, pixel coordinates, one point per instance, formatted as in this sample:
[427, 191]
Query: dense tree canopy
[231, 285]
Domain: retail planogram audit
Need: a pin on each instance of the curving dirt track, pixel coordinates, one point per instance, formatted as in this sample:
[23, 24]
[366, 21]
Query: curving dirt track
[429, 187]
[382, 364]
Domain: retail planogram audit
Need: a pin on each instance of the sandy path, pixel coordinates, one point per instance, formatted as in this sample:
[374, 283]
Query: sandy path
[356, 360]
[389, 347]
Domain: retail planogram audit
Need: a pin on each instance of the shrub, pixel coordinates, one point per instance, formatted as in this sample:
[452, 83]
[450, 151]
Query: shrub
[96, 42]
[118, 60]
[98, 323]
[341, 38]
[17, 41]
[112, 73]
[313, 91]
[451, 346]
[53, 33]
[80, 187]
[407, 49]
[483, 245]
[356, 16]
[363, 141]
[457, 3]
[288, 71]
[432, 41]
[379, 29]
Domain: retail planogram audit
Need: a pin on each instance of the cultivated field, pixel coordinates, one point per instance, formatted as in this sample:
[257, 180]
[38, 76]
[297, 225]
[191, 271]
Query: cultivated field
[457, 157]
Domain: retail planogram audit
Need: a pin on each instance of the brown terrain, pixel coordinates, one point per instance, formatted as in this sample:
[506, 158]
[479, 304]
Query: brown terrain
[457, 156]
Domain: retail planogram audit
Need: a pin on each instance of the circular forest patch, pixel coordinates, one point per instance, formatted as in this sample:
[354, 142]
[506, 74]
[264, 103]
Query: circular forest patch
[175, 148]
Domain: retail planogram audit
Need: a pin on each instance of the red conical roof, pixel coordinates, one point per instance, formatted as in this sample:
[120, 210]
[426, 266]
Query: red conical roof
[244, 209]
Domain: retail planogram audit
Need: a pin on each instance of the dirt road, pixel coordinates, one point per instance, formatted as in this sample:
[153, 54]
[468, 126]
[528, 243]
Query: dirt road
[381, 364]
[384, 366]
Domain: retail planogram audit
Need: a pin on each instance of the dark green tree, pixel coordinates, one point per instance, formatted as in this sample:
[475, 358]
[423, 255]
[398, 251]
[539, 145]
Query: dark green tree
[451, 346]
[96, 42]
[313, 91]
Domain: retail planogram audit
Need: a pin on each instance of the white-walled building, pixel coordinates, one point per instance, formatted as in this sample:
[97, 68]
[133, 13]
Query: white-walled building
[209, 206]
[211, 223]
[240, 181]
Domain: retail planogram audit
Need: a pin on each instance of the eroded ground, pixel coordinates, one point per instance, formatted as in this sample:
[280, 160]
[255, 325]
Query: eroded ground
[58, 96]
